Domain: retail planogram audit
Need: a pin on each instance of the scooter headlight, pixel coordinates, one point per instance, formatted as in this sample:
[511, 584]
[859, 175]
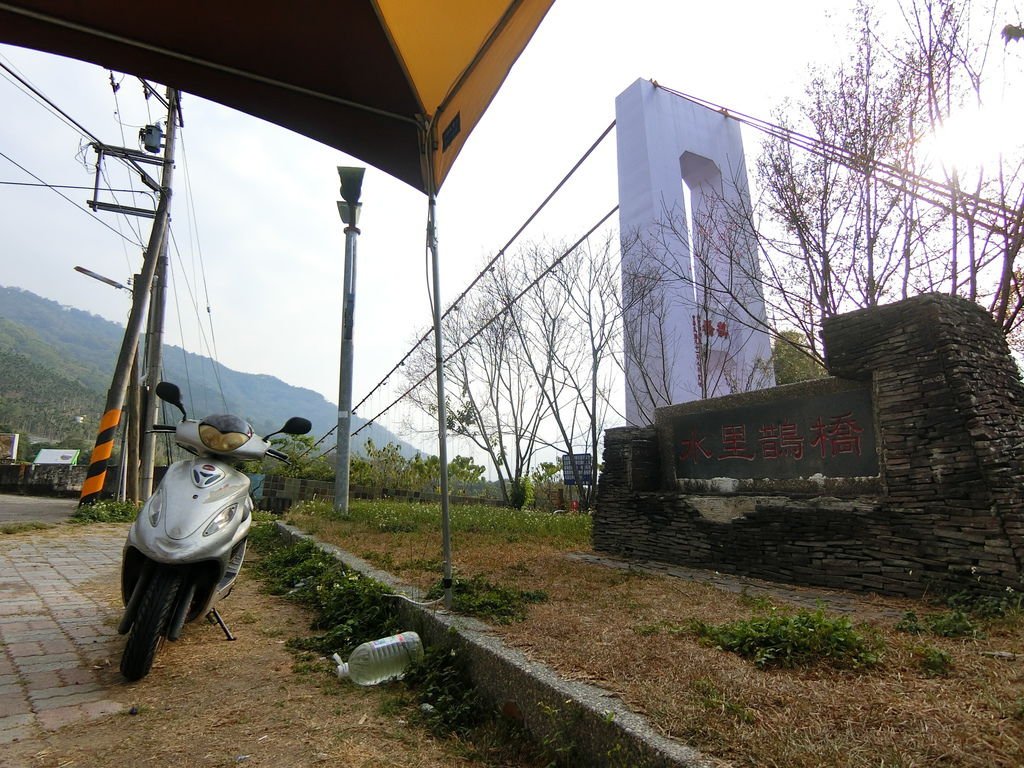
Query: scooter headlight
[156, 507]
[221, 442]
[221, 519]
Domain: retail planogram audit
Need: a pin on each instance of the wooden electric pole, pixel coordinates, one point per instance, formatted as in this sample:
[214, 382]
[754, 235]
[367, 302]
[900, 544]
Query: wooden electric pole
[154, 360]
[97, 473]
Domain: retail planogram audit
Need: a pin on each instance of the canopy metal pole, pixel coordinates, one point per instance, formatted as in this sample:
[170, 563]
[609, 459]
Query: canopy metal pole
[442, 411]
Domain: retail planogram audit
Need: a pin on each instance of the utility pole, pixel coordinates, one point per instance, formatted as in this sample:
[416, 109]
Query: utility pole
[130, 465]
[154, 360]
[111, 418]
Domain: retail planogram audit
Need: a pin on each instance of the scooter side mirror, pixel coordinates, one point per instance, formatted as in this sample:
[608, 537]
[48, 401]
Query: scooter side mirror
[296, 425]
[170, 393]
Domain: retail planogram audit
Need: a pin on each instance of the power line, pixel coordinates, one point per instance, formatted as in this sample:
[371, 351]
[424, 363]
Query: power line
[484, 326]
[68, 186]
[199, 322]
[931, 191]
[115, 87]
[940, 194]
[65, 116]
[490, 264]
[194, 238]
[32, 92]
[76, 205]
[181, 333]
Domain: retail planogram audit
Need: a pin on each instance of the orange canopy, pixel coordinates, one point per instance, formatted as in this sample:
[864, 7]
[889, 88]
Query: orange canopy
[399, 84]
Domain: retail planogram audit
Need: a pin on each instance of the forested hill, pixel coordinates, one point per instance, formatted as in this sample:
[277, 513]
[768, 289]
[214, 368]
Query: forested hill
[63, 347]
[42, 404]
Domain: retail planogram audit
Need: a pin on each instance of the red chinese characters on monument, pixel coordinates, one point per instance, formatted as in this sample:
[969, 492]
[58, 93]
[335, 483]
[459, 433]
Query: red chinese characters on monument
[831, 433]
[710, 328]
[779, 440]
[692, 447]
[734, 443]
[832, 436]
[841, 435]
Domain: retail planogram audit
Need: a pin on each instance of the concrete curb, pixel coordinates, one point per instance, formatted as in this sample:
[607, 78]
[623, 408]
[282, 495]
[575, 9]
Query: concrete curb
[601, 731]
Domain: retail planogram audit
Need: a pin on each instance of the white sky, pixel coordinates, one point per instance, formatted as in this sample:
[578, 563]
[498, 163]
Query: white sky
[264, 199]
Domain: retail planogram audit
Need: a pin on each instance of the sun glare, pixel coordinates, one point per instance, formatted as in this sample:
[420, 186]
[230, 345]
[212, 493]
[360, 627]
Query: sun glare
[972, 140]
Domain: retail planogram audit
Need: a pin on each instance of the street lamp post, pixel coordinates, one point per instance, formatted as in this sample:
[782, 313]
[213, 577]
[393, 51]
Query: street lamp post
[348, 207]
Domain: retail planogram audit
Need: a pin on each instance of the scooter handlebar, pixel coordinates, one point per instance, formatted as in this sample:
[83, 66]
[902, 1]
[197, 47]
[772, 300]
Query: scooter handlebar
[276, 454]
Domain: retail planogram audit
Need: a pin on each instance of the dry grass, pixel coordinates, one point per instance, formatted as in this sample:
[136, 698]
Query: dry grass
[629, 632]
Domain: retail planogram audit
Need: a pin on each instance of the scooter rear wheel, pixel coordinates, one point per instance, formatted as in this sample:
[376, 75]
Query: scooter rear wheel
[150, 624]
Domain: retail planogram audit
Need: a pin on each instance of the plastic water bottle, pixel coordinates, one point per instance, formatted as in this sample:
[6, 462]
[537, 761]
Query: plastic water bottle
[381, 660]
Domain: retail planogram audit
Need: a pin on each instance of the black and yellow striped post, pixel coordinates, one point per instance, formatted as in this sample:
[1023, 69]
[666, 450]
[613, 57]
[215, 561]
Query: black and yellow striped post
[97, 473]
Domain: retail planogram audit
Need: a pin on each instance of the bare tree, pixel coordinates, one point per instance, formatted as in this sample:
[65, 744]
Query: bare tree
[568, 334]
[844, 234]
[649, 342]
[705, 263]
[858, 220]
[494, 401]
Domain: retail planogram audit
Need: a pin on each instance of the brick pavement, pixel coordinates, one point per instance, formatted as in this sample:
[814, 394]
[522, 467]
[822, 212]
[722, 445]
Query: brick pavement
[58, 612]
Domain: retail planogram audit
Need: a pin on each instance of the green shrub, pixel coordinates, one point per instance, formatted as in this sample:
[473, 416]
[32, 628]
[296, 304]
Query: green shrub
[910, 624]
[933, 661]
[349, 606]
[953, 623]
[521, 493]
[441, 682]
[478, 597]
[985, 606]
[106, 512]
[790, 641]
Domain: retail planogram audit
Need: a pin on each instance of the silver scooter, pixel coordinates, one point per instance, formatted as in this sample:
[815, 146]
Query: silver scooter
[186, 547]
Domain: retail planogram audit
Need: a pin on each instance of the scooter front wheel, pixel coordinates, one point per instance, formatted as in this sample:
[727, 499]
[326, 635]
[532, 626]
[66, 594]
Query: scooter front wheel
[150, 624]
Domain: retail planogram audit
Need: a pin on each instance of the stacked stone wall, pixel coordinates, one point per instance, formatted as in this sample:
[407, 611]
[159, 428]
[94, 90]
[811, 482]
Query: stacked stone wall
[946, 513]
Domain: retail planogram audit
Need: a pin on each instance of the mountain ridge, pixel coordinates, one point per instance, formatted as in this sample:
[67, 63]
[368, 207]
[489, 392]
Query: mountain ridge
[79, 347]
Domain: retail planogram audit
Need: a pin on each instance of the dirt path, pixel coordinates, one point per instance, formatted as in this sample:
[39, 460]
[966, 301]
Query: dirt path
[209, 702]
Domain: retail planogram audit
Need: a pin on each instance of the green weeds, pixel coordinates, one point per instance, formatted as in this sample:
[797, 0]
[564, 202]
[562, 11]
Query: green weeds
[443, 688]
[401, 517]
[23, 527]
[808, 637]
[478, 597]
[350, 607]
[656, 628]
[933, 661]
[953, 623]
[106, 512]
[988, 607]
